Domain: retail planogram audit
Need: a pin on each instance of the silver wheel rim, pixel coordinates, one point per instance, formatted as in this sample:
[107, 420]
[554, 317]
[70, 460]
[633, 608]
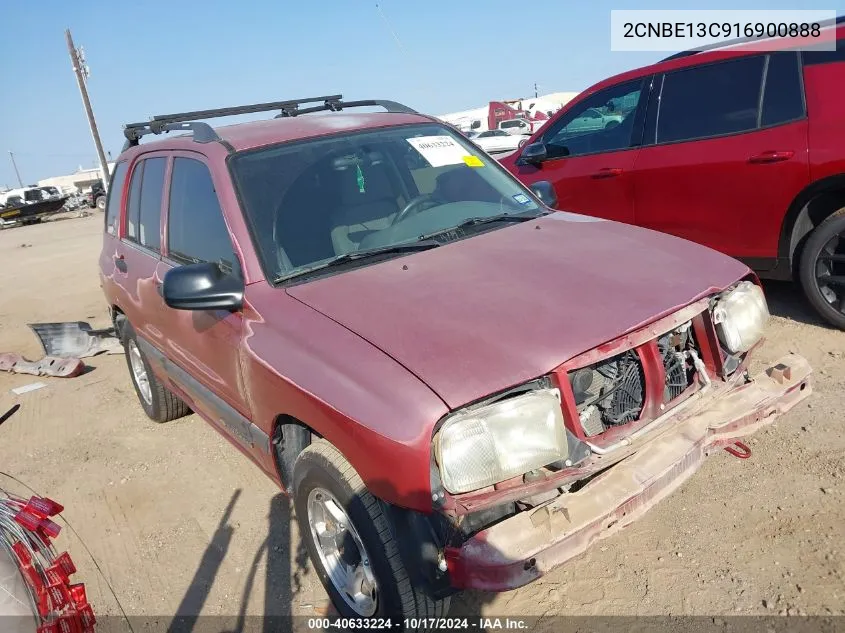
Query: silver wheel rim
[139, 373]
[342, 553]
[101, 203]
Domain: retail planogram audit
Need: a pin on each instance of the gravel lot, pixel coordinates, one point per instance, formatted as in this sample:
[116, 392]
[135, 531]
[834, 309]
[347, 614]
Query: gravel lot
[181, 523]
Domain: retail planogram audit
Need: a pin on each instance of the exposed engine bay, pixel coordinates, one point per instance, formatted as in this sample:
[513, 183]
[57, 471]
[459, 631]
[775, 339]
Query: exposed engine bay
[612, 392]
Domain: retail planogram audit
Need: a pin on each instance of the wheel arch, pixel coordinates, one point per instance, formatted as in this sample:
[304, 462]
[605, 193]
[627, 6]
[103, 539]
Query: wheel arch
[289, 438]
[815, 203]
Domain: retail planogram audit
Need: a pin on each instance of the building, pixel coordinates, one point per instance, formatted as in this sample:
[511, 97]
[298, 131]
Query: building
[81, 180]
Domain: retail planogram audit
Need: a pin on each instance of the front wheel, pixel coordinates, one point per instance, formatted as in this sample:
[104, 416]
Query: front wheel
[101, 203]
[159, 403]
[822, 269]
[351, 541]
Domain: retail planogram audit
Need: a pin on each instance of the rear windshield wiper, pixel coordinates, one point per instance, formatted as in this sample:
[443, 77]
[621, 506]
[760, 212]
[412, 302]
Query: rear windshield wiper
[369, 253]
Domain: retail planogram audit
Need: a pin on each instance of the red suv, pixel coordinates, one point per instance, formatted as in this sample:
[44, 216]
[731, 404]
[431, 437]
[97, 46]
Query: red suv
[457, 386]
[736, 149]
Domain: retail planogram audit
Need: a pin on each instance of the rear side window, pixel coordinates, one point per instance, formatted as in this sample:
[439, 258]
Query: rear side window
[115, 191]
[711, 100]
[196, 231]
[152, 190]
[133, 205]
[783, 99]
[145, 193]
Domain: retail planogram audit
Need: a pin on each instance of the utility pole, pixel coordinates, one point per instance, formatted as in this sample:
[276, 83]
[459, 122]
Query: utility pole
[15, 165]
[535, 89]
[80, 69]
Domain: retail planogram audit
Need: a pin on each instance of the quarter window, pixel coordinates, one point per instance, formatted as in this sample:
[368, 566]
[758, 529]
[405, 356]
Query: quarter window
[711, 100]
[603, 122]
[133, 205]
[196, 230]
[115, 192]
[783, 99]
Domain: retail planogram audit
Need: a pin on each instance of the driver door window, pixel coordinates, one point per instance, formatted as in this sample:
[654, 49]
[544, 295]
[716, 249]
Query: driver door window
[196, 231]
[603, 122]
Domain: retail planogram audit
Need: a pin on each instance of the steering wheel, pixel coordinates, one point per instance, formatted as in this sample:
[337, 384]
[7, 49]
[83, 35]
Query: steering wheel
[415, 206]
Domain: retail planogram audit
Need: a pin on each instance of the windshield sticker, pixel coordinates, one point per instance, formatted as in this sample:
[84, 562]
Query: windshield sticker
[438, 150]
[521, 198]
[473, 161]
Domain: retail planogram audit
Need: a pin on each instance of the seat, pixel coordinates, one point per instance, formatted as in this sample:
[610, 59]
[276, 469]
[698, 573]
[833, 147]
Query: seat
[361, 213]
[301, 223]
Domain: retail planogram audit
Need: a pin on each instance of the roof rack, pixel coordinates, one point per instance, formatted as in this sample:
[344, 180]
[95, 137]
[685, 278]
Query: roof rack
[204, 133]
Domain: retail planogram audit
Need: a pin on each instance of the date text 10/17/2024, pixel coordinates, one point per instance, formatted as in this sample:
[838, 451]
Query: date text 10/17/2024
[412, 624]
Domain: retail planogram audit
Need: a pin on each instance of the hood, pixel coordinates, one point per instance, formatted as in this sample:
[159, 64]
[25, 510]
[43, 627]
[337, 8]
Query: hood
[480, 315]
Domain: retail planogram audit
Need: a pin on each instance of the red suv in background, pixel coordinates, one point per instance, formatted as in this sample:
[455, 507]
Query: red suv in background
[740, 150]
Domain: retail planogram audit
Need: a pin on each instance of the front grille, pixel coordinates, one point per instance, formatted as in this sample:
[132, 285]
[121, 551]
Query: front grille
[612, 392]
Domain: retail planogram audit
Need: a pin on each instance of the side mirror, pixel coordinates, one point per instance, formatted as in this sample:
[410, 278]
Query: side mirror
[202, 287]
[544, 190]
[533, 154]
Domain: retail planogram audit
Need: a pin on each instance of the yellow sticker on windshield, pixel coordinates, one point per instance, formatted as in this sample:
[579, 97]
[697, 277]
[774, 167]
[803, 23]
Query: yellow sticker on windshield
[473, 161]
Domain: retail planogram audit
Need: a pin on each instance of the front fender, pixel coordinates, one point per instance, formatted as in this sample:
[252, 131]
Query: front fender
[307, 366]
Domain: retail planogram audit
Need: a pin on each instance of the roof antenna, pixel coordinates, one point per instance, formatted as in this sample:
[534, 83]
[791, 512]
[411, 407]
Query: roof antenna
[393, 32]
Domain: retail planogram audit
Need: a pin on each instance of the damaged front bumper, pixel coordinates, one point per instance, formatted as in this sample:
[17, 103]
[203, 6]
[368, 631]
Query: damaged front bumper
[523, 547]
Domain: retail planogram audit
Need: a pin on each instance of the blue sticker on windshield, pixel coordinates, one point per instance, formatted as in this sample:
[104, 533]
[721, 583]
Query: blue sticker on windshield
[521, 198]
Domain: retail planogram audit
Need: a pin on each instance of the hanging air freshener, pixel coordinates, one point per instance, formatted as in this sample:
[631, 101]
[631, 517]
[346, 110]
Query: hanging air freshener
[359, 177]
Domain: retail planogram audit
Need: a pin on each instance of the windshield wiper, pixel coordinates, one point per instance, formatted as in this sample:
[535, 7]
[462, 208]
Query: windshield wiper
[369, 253]
[490, 219]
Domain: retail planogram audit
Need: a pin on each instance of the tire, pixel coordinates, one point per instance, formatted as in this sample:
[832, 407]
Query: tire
[320, 468]
[159, 403]
[809, 264]
[100, 203]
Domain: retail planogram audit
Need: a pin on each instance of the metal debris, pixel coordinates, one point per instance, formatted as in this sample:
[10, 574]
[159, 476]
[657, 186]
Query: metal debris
[47, 366]
[75, 339]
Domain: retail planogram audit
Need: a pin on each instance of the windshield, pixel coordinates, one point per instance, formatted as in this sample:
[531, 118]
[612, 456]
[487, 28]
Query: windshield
[312, 202]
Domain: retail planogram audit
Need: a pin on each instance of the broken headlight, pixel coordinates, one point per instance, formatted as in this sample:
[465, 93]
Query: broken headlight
[479, 447]
[740, 315]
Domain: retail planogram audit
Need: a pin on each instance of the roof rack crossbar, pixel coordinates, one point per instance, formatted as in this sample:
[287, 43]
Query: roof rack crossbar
[337, 106]
[244, 109]
[204, 133]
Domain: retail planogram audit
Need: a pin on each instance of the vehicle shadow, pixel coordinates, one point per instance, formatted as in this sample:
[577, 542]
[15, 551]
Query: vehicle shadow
[285, 570]
[187, 614]
[786, 300]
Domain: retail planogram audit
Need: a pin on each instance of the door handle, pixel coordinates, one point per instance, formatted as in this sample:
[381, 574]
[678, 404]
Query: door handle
[120, 263]
[771, 156]
[608, 172]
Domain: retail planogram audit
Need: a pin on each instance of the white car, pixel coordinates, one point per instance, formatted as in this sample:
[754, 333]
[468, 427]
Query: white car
[499, 141]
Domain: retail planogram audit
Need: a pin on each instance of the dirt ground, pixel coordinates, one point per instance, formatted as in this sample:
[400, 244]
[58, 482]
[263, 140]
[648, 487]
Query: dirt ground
[181, 523]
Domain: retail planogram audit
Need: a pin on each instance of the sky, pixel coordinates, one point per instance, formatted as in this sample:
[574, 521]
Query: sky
[156, 57]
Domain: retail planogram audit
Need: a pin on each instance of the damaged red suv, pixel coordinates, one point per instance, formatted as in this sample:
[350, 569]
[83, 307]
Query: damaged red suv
[458, 387]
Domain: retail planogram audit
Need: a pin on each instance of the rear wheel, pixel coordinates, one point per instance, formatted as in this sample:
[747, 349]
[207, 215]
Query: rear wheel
[822, 269]
[101, 203]
[351, 541]
[159, 403]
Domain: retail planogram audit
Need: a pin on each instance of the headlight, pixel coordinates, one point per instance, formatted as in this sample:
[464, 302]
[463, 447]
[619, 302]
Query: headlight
[740, 316]
[480, 447]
